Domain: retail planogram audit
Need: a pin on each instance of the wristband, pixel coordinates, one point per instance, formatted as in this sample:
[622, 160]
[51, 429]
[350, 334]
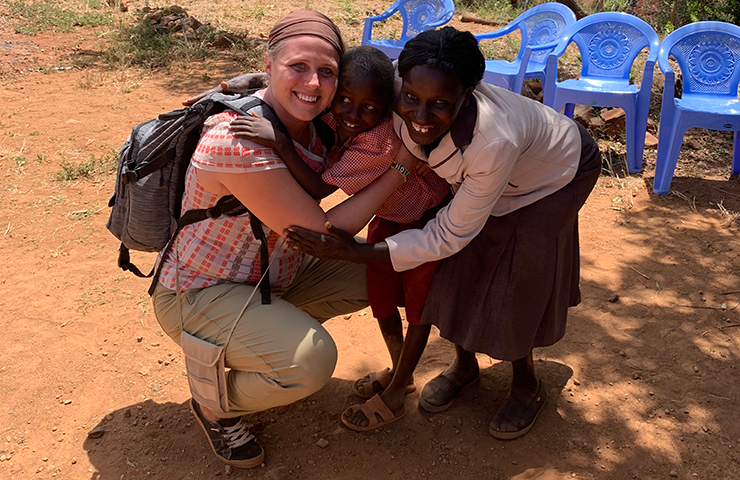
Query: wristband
[401, 169]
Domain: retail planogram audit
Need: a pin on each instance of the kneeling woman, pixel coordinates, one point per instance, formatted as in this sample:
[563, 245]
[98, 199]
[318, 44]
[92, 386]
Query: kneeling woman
[276, 353]
[520, 172]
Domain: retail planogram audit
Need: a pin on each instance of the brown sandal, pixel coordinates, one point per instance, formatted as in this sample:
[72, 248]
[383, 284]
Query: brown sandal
[376, 382]
[376, 412]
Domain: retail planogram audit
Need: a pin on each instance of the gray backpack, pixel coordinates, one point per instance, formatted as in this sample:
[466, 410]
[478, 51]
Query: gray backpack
[150, 182]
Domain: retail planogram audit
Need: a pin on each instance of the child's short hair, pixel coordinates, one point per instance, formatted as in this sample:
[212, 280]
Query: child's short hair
[371, 63]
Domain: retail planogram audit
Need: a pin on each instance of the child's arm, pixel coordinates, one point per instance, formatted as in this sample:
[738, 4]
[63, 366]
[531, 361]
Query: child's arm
[260, 130]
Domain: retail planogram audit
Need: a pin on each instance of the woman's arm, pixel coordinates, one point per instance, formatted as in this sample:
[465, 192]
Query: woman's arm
[448, 233]
[240, 84]
[260, 130]
[278, 200]
[459, 222]
[336, 245]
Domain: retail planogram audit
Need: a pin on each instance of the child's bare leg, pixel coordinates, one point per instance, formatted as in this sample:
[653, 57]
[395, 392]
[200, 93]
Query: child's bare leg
[393, 396]
[392, 330]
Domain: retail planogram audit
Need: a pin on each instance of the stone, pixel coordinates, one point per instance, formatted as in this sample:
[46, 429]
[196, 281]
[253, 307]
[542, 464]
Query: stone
[652, 126]
[322, 443]
[693, 144]
[611, 114]
[651, 141]
[96, 432]
[583, 111]
[278, 473]
[595, 122]
[221, 40]
[613, 299]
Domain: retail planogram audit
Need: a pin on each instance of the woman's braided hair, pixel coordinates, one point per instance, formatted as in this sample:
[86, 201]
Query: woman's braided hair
[446, 49]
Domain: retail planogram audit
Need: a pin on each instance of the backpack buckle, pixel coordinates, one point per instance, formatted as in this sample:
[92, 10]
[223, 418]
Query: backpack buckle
[131, 177]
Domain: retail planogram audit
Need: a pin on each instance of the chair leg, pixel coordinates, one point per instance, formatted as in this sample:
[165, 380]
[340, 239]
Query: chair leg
[635, 141]
[736, 155]
[569, 108]
[669, 146]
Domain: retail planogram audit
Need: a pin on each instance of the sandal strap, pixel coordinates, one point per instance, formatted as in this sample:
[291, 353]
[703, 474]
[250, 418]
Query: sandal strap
[374, 408]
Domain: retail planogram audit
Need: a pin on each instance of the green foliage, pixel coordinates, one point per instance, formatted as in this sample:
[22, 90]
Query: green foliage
[255, 11]
[688, 11]
[42, 16]
[142, 45]
[616, 5]
[95, 166]
[498, 10]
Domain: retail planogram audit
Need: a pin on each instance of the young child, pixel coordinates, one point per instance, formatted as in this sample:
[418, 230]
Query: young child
[366, 147]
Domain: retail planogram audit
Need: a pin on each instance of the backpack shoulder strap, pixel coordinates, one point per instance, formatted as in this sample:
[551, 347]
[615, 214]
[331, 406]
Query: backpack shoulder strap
[325, 133]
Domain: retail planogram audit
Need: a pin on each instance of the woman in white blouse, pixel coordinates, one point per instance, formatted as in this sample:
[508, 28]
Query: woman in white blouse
[520, 172]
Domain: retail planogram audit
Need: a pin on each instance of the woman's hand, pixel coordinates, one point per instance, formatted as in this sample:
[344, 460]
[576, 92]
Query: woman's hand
[423, 169]
[240, 84]
[334, 245]
[407, 159]
[257, 129]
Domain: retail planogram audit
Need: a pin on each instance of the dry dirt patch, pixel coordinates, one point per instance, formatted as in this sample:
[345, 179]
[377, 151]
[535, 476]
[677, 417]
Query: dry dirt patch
[644, 387]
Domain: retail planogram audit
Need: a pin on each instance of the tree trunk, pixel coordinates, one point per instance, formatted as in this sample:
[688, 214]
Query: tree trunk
[573, 5]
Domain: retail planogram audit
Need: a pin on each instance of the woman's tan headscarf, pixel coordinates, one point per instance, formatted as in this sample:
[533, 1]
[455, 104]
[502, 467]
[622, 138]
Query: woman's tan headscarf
[307, 22]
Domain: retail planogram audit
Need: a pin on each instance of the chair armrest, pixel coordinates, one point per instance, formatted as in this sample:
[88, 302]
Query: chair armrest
[382, 16]
[544, 46]
[669, 85]
[497, 33]
[551, 78]
[664, 66]
[647, 79]
[367, 30]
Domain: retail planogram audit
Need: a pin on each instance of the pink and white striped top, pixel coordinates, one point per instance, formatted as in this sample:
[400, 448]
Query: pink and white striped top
[224, 250]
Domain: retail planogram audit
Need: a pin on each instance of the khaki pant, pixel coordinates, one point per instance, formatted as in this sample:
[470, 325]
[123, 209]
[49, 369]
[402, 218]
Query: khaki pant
[279, 353]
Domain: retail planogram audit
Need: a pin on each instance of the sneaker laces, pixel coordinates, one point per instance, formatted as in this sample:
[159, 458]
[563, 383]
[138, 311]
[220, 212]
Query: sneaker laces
[236, 435]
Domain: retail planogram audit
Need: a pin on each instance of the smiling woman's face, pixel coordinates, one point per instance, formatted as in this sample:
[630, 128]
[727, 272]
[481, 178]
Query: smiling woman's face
[303, 77]
[429, 103]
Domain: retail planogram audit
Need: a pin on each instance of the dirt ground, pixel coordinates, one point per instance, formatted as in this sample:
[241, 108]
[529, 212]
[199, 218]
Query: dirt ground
[641, 388]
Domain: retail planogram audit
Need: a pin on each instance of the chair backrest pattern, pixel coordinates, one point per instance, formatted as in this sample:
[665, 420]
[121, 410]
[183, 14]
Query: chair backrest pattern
[420, 13]
[609, 48]
[541, 28]
[709, 62]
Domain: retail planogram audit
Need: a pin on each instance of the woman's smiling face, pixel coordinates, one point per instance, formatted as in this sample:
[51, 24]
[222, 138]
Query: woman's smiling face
[429, 103]
[303, 77]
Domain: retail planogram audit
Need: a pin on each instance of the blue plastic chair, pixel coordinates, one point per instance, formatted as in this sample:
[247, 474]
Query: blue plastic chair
[608, 43]
[541, 27]
[707, 54]
[417, 15]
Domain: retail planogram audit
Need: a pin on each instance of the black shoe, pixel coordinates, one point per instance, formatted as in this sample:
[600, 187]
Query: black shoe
[232, 444]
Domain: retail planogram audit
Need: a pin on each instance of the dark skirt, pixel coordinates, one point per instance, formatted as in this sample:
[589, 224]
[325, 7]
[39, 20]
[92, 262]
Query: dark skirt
[509, 289]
